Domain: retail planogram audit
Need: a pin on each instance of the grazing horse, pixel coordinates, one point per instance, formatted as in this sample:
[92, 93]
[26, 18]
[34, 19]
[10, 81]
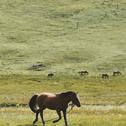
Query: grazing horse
[83, 72]
[105, 76]
[50, 75]
[58, 102]
[116, 73]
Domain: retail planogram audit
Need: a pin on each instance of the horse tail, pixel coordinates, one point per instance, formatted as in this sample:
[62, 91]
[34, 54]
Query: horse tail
[32, 103]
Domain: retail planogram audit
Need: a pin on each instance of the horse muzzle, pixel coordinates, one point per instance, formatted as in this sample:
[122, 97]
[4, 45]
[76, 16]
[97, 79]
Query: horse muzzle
[79, 105]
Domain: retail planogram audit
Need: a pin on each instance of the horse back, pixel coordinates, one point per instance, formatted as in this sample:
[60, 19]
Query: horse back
[49, 100]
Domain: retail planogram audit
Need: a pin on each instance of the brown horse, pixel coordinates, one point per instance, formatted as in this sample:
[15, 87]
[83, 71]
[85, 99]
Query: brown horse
[50, 75]
[116, 73]
[83, 72]
[58, 102]
[105, 76]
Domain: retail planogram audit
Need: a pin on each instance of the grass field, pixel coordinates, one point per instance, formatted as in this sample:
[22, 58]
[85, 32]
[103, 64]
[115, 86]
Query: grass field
[103, 101]
[78, 117]
[63, 37]
[93, 90]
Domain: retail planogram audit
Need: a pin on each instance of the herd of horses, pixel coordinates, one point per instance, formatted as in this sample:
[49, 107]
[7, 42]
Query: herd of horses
[58, 102]
[85, 72]
[115, 73]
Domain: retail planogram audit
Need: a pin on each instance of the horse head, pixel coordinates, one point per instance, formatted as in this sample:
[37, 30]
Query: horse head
[75, 99]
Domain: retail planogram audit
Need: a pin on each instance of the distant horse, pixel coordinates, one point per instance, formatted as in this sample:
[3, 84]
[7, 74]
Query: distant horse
[105, 76]
[58, 102]
[50, 75]
[116, 73]
[83, 72]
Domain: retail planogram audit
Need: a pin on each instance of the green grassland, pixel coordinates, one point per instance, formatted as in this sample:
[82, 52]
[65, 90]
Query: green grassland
[18, 89]
[103, 101]
[77, 117]
[63, 35]
[42, 36]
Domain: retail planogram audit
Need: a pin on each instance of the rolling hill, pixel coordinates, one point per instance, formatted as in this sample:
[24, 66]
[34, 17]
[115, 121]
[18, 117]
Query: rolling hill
[63, 36]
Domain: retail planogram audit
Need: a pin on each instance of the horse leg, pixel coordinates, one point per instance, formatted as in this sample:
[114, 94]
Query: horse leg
[41, 114]
[59, 114]
[36, 119]
[65, 119]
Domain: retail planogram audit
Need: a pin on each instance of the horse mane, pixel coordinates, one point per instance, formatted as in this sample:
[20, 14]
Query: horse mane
[68, 93]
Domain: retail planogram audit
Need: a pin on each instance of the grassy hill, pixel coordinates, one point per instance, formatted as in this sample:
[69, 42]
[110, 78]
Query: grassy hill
[65, 36]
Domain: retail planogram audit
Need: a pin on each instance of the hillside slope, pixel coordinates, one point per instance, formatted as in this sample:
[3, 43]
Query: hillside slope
[65, 36]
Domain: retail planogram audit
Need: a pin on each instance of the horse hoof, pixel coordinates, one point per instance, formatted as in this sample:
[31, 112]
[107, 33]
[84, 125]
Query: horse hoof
[33, 123]
[54, 121]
